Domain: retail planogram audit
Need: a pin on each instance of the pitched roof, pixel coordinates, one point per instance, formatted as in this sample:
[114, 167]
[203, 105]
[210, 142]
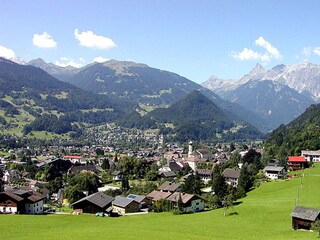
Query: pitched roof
[273, 168]
[122, 201]
[169, 186]
[296, 159]
[99, 198]
[24, 195]
[305, 213]
[174, 166]
[16, 198]
[231, 173]
[307, 152]
[78, 169]
[185, 197]
[204, 172]
[169, 174]
[156, 195]
[35, 197]
[136, 198]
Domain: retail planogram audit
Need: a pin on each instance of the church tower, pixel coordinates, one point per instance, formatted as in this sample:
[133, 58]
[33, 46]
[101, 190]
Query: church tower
[190, 149]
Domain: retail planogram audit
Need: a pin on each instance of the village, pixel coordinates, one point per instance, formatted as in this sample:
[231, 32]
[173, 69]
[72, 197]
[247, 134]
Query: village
[109, 181]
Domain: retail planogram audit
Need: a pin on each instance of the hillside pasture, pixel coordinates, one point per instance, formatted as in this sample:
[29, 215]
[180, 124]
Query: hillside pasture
[263, 214]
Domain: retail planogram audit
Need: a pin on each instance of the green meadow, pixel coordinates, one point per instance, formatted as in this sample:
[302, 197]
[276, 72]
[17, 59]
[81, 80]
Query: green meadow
[263, 214]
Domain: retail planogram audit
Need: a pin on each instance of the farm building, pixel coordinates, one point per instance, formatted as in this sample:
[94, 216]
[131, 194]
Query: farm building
[302, 217]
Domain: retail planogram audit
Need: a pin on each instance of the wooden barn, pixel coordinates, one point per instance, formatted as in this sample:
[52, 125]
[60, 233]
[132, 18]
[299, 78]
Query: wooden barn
[303, 218]
[97, 202]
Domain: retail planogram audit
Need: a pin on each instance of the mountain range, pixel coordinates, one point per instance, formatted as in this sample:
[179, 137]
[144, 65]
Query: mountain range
[151, 87]
[278, 95]
[33, 100]
[61, 73]
[263, 98]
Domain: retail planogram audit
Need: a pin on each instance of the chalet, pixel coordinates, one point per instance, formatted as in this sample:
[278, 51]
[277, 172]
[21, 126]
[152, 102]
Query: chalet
[97, 202]
[205, 175]
[274, 172]
[21, 201]
[191, 203]
[297, 163]
[123, 205]
[76, 159]
[231, 176]
[311, 156]
[169, 187]
[158, 195]
[303, 218]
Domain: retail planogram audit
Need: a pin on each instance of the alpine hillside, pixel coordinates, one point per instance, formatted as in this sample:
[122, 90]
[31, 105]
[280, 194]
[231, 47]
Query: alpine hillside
[197, 117]
[31, 99]
[300, 134]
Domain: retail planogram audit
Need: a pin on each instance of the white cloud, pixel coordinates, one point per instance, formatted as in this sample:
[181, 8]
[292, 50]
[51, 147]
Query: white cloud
[64, 62]
[266, 56]
[91, 40]
[247, 54]
[270, 49]
[82, 60]
[7, 52]
[43, 41]
[100, 59]
[316, 51]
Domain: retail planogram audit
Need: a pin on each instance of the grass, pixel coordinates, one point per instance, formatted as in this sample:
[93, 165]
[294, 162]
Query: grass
[263, 214]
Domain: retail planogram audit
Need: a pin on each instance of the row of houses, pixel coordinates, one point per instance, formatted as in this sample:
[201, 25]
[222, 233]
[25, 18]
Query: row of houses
[122, 205]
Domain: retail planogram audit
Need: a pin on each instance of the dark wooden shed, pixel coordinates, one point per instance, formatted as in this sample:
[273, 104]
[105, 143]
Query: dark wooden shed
[303, 217]
[97, 202]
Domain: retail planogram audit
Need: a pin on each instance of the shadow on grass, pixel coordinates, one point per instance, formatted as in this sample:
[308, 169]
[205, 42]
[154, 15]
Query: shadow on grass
[237, 203]
[233, 213]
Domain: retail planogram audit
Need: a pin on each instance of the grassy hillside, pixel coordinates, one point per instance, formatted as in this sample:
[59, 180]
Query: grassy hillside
[263, 214]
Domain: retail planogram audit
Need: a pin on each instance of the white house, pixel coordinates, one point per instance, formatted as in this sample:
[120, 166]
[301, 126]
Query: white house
[191, 203]
[274, 172]
[311, 156]
[231, 176]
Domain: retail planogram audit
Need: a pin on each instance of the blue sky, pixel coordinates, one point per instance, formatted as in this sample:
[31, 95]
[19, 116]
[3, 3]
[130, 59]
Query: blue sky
[195, 39]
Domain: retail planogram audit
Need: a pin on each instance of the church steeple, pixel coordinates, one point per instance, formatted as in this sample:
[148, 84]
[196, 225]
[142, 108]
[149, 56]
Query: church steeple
[190, 149]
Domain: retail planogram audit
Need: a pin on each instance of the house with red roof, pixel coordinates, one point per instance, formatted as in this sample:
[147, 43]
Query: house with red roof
[297, 163]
